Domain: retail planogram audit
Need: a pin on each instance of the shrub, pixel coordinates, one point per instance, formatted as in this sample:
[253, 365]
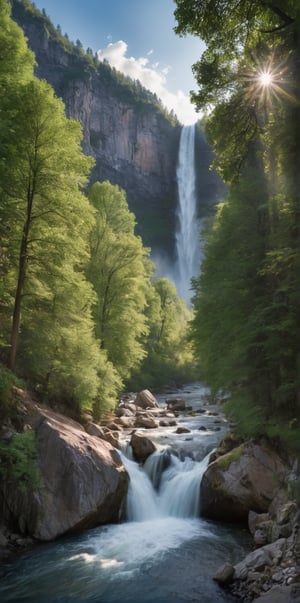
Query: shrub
[7, 399]
[18, 460]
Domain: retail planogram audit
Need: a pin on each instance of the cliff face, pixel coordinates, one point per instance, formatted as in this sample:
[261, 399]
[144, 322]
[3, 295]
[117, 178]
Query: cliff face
[134, 144]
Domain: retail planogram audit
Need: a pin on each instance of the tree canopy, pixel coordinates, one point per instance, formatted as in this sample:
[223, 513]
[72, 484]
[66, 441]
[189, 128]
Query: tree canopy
[246, 326]
[119, 271]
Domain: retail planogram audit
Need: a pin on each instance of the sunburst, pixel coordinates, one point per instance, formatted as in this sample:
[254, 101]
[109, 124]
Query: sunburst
[267, 83]
[265, 78]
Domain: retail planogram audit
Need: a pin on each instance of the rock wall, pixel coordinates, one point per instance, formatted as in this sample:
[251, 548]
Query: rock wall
[134, 142]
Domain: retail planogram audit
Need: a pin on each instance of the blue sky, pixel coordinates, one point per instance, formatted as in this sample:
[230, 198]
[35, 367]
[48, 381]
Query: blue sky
[136, 37]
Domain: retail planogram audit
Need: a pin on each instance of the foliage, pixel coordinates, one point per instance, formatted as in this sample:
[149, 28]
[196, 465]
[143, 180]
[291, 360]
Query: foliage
[246, 329]
[42, 203]
[119, 271]
[229, 31]
[18, 461]
[75, 280]
[169, 358]
[17, 61]
[7, 399]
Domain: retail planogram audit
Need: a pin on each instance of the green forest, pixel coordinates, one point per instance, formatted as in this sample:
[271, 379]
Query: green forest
[82, 315]
[246, 324]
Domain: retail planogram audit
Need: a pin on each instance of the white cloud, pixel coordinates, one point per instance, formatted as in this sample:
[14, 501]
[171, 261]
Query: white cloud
[151, 78]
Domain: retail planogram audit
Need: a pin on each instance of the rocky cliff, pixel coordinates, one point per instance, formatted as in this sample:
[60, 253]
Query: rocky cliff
[125, 129]
[132, 138]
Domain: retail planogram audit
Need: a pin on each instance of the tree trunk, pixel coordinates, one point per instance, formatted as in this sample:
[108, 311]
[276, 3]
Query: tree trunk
[20, 285]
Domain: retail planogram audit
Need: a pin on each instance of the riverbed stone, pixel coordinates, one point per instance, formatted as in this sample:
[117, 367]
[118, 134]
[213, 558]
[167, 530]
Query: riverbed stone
[123, 411]
[167, 422]
[224, 574]
[255, 520]
[145, 399]
[145, 421]
[182, 430]
[176, 404]
[278, 594]
[141, 446]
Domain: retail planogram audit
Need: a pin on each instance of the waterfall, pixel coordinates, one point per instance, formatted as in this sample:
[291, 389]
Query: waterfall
[177, 492]
[188, 227]
[141, 501]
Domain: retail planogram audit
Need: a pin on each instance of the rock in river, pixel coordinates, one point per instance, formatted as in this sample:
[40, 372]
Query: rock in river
[247, 478]
[82, 482]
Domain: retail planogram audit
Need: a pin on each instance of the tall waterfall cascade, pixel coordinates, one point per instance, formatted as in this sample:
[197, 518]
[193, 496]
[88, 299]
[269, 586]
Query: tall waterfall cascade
[188, 226]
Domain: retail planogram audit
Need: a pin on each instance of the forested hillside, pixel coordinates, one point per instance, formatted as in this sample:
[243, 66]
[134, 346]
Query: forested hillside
[246, 328]
[79, 307]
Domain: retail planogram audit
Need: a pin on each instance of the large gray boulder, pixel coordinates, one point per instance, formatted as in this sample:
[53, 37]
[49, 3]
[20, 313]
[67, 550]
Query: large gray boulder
[82, 482]
[247, 478]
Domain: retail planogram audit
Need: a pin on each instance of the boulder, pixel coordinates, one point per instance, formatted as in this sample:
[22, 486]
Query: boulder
[123, 411]
[257, 560]
[278, 594]
[286, 512]
[176, 404]
[167, 422]
[255, 520]
[141, 446]
[114, 426]
[224, 574]
[247, 478]
[145, 399]
[145, 421]
[82, 483]
[182, 430]
[123, 422]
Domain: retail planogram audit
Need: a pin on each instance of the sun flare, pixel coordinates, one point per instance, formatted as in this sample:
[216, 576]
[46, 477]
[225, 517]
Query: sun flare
[265, 78]
[267, 82]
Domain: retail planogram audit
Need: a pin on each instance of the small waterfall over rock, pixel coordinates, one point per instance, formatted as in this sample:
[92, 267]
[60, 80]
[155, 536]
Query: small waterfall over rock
[165, 487]
[163, 553]
[188, 228]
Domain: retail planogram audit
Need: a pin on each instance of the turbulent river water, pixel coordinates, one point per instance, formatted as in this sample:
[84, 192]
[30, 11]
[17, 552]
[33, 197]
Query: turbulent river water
[163, 553]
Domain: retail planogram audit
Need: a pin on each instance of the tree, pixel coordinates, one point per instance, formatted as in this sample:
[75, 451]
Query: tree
[119, 271]
[169, 356]
[246, 328]
[44, 168]
[17, 61]
[228, 29]
[16, 68]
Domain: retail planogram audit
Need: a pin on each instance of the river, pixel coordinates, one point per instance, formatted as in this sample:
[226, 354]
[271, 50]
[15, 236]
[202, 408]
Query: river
[163, 553]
